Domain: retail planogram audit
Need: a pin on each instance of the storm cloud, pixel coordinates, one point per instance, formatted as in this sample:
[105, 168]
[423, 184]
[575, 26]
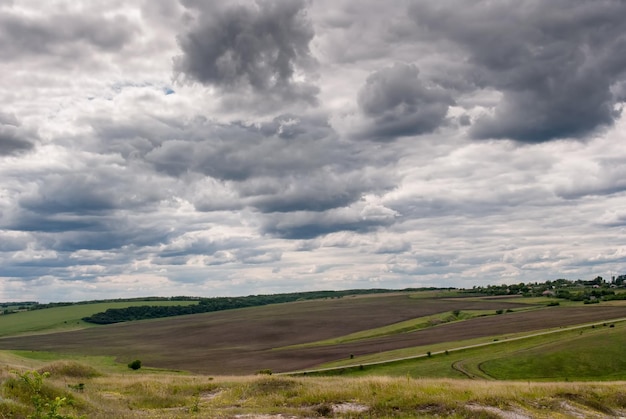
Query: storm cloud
[397, 103]
[555, 63]
[260, 48]
[231, 148]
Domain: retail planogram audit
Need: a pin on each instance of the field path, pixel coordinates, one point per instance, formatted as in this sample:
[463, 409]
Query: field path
[458, 365]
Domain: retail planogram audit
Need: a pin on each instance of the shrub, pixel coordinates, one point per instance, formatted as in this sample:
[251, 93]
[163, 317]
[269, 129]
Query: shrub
[135, 365]
[44, 404]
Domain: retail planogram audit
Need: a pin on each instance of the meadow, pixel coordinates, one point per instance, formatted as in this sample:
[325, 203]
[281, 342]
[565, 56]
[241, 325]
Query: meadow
[78, 389]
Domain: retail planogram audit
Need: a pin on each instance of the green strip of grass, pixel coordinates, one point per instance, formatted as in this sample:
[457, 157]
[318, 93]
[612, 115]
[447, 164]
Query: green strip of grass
[566, 355]
[63, 318]
[397, 328]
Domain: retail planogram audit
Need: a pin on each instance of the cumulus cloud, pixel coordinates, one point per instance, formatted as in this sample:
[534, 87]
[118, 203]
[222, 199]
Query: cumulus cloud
[554, 63]
[260, 48]
[397, 103]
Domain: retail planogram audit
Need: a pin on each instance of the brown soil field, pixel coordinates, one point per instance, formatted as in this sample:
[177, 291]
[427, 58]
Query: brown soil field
[243, 341]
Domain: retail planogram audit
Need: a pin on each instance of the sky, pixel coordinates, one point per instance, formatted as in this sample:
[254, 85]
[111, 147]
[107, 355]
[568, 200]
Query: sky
[213, 148]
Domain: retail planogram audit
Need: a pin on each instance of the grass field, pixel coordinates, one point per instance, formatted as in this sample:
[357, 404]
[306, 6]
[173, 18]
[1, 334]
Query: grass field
[64, 318]
[561, 356]
[595, 354]
[90, 392]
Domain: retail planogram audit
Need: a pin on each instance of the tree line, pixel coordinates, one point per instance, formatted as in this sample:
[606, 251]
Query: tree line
[206, 305]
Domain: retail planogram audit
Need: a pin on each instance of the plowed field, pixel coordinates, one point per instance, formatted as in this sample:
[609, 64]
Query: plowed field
[242, 341]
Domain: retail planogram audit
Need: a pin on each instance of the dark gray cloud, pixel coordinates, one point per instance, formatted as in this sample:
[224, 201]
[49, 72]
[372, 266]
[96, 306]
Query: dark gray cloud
[554, 62]
[262, 48]
[61, 35]
[98, 190]
[397, 103]
[360, 217]
[13, 138]
[290, 163]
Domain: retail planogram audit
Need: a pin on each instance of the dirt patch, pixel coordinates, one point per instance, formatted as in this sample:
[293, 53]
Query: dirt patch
[504, 414]
[349, 408]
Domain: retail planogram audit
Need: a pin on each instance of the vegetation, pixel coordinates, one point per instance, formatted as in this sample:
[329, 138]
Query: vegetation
[564, 355]
[44, 403]
[166, 395]
[595, 290]
[447, 380]
[207, 305]
[134, 365]
[64, 317]
[407, 326]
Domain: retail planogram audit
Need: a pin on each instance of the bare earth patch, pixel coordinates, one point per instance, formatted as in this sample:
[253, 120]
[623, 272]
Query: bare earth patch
[349, 408]
[504, 414]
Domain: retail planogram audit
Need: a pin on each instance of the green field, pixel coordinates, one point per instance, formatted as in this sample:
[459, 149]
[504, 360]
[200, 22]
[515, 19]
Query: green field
[65, 318]
[589, 353]
[595, 354]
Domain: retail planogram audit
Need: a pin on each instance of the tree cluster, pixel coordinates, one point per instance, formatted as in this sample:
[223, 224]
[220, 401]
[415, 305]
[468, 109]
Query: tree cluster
[206, 305]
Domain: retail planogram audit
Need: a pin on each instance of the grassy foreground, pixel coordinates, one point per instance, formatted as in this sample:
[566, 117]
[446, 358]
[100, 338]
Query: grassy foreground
[89, 392]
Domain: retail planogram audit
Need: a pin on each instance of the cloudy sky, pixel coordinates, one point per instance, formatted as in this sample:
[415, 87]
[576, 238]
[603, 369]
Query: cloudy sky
[191, 147]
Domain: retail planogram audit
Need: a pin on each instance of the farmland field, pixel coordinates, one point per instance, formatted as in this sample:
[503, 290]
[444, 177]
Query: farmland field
[65, 317]
[247, 340]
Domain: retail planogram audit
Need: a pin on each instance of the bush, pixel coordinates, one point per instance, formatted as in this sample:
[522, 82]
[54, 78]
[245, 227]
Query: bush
[135, 365]
[45, 405]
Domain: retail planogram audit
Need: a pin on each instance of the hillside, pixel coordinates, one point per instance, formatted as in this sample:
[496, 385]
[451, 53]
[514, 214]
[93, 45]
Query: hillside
[76, 389]
[282, 337]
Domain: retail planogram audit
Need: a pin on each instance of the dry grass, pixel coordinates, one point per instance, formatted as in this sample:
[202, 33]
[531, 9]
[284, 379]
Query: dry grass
[140, 395]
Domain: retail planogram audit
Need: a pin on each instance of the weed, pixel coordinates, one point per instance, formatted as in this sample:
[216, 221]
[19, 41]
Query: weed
[45, 407]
